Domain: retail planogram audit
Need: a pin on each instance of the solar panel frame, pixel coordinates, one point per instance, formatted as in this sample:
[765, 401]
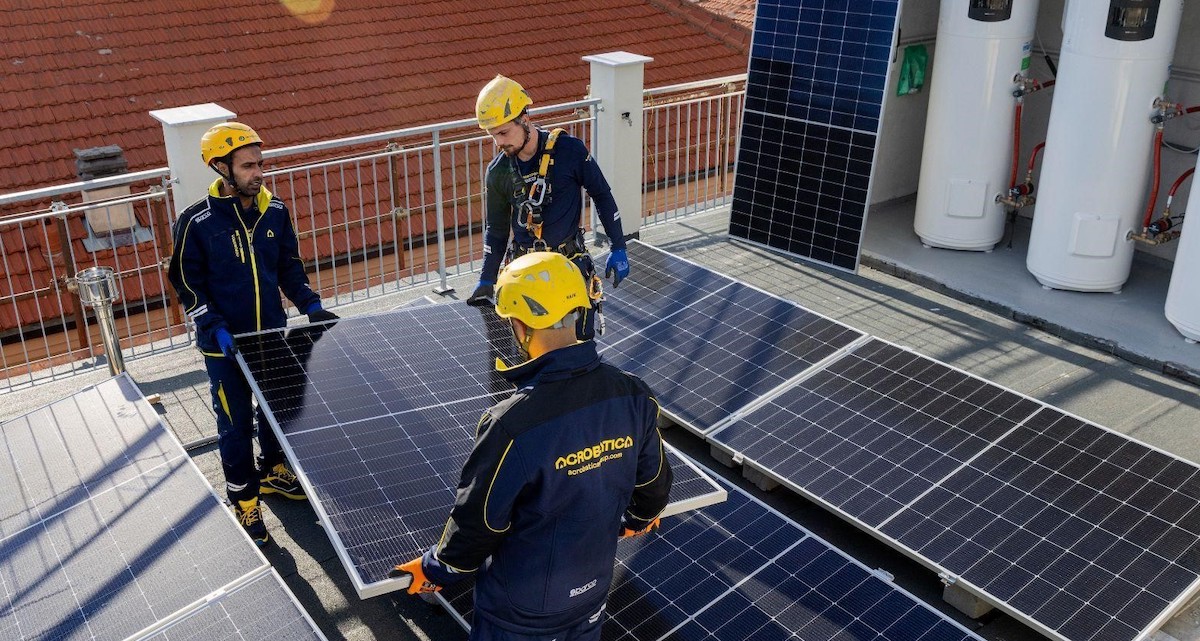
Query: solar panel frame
[792, 340]
[668, 575]
[926, 529]
[817, 75]
[360, 529]
[123, 530]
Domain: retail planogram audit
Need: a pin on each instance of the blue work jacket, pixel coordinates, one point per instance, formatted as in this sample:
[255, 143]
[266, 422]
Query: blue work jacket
[228, 266]
[557, 470]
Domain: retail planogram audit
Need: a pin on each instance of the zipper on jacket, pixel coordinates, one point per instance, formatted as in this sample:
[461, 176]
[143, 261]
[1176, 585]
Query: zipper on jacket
[253, 263]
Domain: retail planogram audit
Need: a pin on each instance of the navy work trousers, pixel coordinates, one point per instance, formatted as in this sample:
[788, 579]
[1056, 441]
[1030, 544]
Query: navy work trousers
[234, 404]
[587, 630]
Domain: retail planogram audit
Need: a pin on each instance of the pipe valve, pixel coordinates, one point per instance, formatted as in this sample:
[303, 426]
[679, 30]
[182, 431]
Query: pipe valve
[1161, 225]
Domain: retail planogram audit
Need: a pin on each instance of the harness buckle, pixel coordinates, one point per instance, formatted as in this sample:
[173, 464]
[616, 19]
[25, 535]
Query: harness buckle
[538, 191]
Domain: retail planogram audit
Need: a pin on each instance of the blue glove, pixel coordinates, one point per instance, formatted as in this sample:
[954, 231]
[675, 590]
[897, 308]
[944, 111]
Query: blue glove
[617, 267]
[226, 343]
[483, 294]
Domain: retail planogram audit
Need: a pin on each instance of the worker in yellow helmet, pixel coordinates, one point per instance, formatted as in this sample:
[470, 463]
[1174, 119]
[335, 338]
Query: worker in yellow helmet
[561, 470]
[235, 249]
[533, 196]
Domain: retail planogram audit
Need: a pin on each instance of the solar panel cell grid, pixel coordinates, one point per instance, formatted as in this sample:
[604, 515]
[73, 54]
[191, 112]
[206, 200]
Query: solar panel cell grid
[740, 571]
[1054, 520]
[709, 352]
[874, 429]
[139, 538]
[261, 609]
[814, 98]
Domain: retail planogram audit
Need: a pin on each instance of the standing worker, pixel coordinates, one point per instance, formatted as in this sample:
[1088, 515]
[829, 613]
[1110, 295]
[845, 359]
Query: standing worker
[235, 249]
[560, 470]
[533, 195]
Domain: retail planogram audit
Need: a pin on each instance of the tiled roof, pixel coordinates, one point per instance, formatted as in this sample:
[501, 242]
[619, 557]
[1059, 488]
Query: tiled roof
[76, 74]
[739, 11]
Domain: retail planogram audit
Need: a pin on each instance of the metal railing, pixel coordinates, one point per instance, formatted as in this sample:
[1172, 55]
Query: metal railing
[397, 209]
[691, 133]
[374, 214]
[45, 332]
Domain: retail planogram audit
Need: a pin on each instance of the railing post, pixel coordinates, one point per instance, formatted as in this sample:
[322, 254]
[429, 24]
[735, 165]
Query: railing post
[445, 287]
[67, 253]
[182, 130]
[617, 80]
[166, 243]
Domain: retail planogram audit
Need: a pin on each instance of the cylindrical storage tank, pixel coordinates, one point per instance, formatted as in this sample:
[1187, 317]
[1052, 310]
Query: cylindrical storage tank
[1116, 57]
[982, 45]
[1183, 298]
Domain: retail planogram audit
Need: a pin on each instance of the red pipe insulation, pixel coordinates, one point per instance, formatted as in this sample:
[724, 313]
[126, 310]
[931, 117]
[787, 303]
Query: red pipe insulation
[1179, 181]
[1033, 155]
[1158, 136]
[1012, 180]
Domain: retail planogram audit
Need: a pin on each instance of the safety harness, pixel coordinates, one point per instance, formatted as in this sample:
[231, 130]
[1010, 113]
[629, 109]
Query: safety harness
[531, 205]
[530, 208]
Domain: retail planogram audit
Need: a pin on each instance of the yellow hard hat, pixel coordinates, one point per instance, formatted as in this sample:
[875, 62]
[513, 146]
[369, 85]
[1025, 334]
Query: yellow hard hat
[539, 289]
[500, 101]
[221, 140]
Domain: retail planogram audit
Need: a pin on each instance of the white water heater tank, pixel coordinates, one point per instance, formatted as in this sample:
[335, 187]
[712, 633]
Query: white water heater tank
[1183, 297]
[982, 45]
[1116, 58]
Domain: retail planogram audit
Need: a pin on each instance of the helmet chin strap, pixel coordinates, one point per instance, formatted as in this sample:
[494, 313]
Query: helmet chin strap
[525, 128]
[522, 345]
[232, 182]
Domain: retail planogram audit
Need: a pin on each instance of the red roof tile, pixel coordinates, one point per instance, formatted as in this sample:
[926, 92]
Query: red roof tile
[86, 73]
[739, 11]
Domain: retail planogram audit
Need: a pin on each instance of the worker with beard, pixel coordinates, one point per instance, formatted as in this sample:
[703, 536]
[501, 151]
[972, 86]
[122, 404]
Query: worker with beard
[235, 250]
[534, 197]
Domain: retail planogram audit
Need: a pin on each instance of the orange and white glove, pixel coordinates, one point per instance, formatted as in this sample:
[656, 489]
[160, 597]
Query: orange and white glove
[419, 584]
[627, 533]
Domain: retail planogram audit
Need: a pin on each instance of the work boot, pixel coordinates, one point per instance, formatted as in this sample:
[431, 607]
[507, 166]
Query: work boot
[249, 514]
[280, 480]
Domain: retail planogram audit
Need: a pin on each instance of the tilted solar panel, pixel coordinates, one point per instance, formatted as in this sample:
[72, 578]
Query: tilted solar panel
[814, 104]
[1080, 532]
[378, 414]
[706, 344]
[108, 529]
[739, 570]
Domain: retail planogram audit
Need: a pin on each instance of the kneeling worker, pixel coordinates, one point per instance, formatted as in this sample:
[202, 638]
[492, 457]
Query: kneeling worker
[560, 470]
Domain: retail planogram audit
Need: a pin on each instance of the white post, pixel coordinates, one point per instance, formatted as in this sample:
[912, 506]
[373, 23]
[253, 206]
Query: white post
[617, 80]
[182, 129]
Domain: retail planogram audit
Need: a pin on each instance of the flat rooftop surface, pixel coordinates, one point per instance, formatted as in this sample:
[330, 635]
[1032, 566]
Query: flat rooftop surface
[1100, 356]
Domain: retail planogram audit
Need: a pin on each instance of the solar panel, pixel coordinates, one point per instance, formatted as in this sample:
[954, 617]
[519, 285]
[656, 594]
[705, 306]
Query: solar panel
[260, 608]
[108, 528]
[1079, 531]
[1085, 533]
[378, 414]
[706, 344]
[740, 570]
[873, 430]
[814, 103]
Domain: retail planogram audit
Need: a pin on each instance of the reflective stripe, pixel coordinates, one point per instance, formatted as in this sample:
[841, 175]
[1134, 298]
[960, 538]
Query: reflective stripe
[224, 401]
[489, 492]
[182, 271]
